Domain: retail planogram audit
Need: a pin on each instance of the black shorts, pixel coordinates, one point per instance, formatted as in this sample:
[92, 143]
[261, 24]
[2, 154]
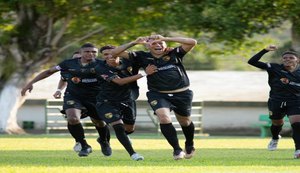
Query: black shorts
[279, 108]
[180, 103]
[85, 104]
[114, 111]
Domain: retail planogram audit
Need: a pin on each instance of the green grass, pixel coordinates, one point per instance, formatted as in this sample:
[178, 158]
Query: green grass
[42, 153]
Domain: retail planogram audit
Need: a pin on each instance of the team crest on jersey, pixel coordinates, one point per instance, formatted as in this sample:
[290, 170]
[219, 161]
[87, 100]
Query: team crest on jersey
[270, 113]
[166, 58]
[92, 70]
[129, 69]
[75, 80]
[153, 102]
[70, 102]
[108, 115]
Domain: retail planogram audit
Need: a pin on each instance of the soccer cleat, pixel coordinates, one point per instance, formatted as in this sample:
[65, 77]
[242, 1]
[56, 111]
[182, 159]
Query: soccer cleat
[178, 154]
[273, 144]
[189, 152]
[297, 154]
[105, 147]
[137, 157]
[77, 147]
[85, 151]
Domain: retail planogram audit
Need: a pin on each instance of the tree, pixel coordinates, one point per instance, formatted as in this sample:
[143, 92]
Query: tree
[34, 33]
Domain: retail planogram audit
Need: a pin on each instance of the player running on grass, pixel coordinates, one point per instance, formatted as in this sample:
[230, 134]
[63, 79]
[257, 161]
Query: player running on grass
[84, 112]
[284, 97]
[82, 87]
[116, 100]
[168, 88]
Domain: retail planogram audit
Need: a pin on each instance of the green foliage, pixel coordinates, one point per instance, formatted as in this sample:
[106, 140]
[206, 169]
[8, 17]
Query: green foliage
[223, 28]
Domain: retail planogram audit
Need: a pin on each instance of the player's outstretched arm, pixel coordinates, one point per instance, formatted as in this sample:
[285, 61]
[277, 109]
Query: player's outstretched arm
[42, 75]
[186, 43]
[121, 50]
[61, 85]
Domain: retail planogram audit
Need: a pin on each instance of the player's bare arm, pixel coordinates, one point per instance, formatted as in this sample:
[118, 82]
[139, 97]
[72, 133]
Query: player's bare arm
[150, 69]
[186, 43]
[39, 77]
[120, 51]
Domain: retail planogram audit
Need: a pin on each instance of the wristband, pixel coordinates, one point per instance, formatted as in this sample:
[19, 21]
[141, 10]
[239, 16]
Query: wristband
[143, 74]
[59, 90]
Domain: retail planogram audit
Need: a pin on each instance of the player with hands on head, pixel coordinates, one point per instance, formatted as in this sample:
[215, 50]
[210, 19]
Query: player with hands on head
[284, 95]
[168, 87]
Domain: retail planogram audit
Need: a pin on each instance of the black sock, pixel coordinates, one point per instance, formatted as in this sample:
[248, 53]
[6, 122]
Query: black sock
[296, 134]
[104, 133]
[78, 133]
[170, 134]
[188, 132]
[122, 137]
[275, 130]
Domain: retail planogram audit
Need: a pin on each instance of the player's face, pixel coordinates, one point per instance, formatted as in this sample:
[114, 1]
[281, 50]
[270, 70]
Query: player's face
[157, 47]
[290, 60]
[89, 53]
[112, 61]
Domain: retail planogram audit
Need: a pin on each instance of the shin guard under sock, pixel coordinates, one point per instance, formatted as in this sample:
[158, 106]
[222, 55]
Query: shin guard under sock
[275, 130]
[77, 132]
[170, 134]
[104, 133]
[188, 132]
[123, 138]
[296, 134]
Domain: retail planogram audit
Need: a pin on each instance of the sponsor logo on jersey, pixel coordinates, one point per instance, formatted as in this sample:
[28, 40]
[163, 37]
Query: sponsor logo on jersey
[89, 80]
[70, 102]
[153, 102]
[92, 70]
[75, 80]
[166, 67]
[108, 115]
[129, 69]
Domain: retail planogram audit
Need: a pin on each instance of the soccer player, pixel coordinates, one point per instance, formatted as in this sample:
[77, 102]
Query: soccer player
[84, 113]
[284, 97]
[116, 100]
[82, 87]
[169, 87]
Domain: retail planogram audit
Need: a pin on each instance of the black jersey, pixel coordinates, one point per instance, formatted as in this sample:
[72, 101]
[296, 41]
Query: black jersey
[111, 91]
[82, 79]
[171, 74]
[279, 90]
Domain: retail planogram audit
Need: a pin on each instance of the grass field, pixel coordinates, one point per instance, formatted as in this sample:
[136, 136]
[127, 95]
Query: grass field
[42, 153]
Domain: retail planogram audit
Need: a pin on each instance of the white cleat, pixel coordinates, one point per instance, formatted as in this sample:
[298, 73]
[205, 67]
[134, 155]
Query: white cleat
[273, 144]
[77, 147]
[297, 154]
[137, 157]
[178, 155]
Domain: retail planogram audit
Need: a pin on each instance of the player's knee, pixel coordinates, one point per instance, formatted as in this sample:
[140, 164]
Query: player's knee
[73, 120]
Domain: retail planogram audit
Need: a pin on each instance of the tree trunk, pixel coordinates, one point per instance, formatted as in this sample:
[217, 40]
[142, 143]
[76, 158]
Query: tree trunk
[10, 101]
[296, 35]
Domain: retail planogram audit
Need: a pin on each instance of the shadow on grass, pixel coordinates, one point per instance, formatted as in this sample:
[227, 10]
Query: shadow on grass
[203, 157]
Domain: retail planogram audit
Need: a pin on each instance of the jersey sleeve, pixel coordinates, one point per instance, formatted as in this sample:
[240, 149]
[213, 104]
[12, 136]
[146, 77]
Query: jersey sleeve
[255, 60]
[180, 52]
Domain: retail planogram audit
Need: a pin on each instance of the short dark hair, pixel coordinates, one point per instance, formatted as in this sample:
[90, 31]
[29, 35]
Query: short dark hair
[106, 47]
[87, 45]
[291, 51]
